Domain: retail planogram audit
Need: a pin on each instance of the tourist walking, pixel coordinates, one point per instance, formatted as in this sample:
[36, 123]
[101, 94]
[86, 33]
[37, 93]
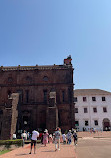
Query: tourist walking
[53, 138]
[24, 137]
[75, 137]
[28, 135]
[69, 136]
[64, 138]
[35, 134]
[57, 139]
[45, 137]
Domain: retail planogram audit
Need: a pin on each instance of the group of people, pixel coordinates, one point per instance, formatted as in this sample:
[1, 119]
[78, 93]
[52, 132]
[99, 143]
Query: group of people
[67, 138]
[56, 138]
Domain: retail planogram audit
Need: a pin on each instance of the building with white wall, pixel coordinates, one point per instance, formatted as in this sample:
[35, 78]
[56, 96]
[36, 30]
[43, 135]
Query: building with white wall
[92, 109]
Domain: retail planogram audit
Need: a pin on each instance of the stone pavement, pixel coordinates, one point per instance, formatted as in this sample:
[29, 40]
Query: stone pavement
[66, 151]
[93, 148]
[99, 134]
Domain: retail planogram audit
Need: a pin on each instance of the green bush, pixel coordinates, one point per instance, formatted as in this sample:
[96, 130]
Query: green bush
[8, 143]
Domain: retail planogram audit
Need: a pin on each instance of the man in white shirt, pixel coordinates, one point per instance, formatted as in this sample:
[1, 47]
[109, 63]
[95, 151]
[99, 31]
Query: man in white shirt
[14, 136]
[24, 137]
[35, 134]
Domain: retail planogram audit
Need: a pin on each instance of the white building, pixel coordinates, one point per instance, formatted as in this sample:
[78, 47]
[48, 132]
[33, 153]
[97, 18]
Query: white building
[92, 109]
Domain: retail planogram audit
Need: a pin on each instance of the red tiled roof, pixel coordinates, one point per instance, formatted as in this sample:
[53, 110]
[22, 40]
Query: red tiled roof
[91, 92]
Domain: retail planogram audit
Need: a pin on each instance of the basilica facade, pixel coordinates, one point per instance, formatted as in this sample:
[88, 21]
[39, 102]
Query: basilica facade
[36, 97]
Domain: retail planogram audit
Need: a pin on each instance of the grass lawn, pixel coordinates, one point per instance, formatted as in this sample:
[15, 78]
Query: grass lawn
[4, 151]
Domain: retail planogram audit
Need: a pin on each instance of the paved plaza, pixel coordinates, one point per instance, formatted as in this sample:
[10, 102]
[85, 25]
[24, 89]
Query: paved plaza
[90, 145]
[93, 148]
[87, 148]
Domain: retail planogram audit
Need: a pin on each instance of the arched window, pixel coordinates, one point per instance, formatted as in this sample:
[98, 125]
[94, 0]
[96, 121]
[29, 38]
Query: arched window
[45, 95]
[1, 112]
[45, 78]
[25, 120]
[9, 93]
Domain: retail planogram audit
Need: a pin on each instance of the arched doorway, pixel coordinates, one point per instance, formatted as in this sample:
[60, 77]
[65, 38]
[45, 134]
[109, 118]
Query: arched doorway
[106, 124]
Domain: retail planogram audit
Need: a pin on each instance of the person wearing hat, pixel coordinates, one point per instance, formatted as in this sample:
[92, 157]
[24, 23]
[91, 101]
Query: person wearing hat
[45, 137]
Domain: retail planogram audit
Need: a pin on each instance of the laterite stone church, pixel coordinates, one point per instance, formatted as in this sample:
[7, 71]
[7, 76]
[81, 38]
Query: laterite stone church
[36, 97]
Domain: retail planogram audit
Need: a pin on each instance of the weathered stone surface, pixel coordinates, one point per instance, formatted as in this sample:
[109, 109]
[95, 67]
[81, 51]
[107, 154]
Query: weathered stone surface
[34, 84]
[9, 118]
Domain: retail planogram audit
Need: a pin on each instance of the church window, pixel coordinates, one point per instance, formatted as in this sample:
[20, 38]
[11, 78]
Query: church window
[25, 120]
[1, 112]
[63, 96]
[9, 93]
[45, 95]
[27, 96]
[45, 78]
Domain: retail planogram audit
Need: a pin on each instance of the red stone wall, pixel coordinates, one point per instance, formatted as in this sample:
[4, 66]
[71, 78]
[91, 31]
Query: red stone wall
[9, 117]
[59, 78]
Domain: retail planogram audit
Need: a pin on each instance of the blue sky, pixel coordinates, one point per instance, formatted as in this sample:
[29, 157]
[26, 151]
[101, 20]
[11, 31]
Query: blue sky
[44, 32]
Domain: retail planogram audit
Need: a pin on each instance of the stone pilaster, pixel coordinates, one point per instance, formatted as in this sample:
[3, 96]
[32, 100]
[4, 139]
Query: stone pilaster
[10, 114]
